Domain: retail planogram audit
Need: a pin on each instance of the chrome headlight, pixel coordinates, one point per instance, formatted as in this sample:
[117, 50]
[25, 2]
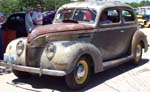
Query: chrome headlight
[50, 50]
[19, 48]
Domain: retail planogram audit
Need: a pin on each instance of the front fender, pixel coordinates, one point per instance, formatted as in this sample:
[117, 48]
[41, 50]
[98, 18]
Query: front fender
[78, 49]
[68, 53]
[11, 51]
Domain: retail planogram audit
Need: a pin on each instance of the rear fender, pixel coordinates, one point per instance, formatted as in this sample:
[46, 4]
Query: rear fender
[139, 37]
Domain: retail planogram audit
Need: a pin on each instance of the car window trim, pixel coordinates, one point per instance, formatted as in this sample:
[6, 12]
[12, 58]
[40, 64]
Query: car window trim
[117, 27]
[128, 22]
[111, 24]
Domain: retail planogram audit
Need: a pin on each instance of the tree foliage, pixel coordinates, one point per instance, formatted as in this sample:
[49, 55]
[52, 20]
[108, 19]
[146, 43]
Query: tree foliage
[142, 3]
[10, 6]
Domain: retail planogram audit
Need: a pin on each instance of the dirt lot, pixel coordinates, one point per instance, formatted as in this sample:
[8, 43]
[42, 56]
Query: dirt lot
[125, 78]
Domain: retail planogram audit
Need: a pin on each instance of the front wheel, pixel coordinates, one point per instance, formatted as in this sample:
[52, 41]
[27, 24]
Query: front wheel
[79, 77]
[137, 53]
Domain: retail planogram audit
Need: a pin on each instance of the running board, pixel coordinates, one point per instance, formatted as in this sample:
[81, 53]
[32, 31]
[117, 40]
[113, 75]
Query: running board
[113, 63]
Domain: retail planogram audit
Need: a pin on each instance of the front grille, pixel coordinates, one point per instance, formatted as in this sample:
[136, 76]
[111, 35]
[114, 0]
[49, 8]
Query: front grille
[34, 56]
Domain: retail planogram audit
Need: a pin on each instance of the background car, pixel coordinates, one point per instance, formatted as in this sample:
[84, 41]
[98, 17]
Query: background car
[14, 27]
[142, 22]
[48, 17]
[147, 18]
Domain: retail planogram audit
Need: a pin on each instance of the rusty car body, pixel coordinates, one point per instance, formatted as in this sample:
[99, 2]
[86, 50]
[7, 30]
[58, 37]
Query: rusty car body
[76, 43]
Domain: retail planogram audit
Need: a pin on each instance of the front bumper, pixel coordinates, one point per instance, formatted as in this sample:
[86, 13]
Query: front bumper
[39, 71]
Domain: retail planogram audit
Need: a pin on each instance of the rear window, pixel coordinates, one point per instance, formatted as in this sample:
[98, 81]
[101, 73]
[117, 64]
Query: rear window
[128, 16]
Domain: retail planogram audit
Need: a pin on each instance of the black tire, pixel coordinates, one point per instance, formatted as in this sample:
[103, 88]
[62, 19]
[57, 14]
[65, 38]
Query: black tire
[21, 75]
[137, 53]
[77, 80]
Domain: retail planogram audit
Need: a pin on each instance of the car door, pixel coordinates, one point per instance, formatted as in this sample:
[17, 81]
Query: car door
[110, 38]
[9, 32]
[129, 26]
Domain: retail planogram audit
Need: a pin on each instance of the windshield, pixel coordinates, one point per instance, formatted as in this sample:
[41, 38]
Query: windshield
[79, 15]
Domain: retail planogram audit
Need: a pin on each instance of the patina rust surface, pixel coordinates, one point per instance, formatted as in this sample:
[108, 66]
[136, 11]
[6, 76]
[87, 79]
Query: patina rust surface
[56, 28]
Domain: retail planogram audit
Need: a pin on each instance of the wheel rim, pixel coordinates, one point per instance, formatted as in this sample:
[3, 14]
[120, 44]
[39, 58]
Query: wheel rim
[81, 72]
[138, 52]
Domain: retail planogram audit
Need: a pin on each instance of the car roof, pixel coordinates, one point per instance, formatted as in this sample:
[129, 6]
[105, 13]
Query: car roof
[18, 13]
[146, 15]
[95, 4]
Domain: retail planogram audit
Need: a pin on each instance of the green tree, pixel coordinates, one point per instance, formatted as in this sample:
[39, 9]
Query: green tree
[134, 4]
[8, 6]
[144, 3]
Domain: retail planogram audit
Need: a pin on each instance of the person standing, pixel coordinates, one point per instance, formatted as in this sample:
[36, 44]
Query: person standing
[2, 18]
[28, 20]
[37, 16]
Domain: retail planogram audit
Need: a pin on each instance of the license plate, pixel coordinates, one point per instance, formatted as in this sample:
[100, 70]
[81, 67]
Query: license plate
[9, 58]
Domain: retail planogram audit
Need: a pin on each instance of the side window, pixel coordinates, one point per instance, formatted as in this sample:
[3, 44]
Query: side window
[128, 16]
[109, 16]
[13, 18]
[20, 19]
[10, 22]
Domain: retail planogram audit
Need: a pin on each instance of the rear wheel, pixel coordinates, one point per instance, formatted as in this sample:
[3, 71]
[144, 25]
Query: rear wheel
[22, 75]
[137, 53]
[79, 77]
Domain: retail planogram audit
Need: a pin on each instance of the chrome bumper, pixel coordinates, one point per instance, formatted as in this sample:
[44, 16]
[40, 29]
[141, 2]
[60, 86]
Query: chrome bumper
[34, 70]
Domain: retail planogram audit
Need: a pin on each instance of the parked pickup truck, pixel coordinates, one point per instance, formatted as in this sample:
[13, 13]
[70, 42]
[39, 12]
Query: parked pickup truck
[78, 43]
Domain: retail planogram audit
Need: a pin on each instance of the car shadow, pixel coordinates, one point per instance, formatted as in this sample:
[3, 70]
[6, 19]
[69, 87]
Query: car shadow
[58, 83]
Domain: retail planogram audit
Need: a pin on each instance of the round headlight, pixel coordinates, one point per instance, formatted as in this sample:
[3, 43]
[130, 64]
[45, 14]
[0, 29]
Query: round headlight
[20, 48]
[50, 50]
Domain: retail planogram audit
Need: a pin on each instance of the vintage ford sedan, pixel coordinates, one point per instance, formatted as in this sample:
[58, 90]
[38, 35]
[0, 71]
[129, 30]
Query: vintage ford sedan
[79, 42]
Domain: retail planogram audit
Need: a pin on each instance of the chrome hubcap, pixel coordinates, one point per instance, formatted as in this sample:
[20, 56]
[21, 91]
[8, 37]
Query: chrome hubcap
[138, 53]
[80, 72]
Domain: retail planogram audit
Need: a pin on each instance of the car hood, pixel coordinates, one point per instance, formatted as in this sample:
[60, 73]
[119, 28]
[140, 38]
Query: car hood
[57, 28]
